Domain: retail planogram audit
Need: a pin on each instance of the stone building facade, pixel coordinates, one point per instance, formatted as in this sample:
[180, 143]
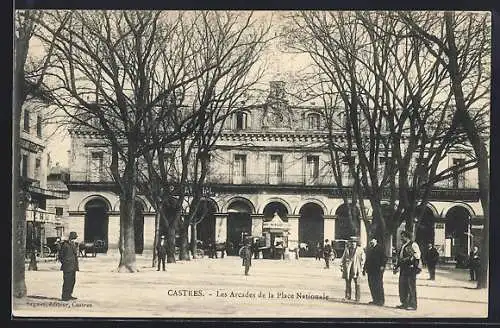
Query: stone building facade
[270, 159]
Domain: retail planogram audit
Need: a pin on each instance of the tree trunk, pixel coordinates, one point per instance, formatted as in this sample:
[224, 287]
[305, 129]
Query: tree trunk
[19, 198]
[484, 188]
[475, 140]
[193, 240]
[127, 240]
[184, 246]
[171, 243]
[157, 236]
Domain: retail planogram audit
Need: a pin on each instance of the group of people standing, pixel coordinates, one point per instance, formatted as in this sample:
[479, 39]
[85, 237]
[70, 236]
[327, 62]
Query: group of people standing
[355, 262]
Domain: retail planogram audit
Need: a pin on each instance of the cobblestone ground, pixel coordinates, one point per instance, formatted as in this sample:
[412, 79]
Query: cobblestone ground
[218, 288]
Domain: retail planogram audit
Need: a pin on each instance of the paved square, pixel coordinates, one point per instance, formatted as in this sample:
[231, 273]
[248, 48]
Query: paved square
[218, 288]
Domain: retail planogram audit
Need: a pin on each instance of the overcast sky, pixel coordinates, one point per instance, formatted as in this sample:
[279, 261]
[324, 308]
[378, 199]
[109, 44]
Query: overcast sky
[280, 66]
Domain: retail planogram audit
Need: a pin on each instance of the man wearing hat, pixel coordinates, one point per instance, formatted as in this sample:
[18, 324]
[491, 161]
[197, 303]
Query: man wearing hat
[68, 256]
[409, 266]
[375, 266]
[161, 250]
[352, 263]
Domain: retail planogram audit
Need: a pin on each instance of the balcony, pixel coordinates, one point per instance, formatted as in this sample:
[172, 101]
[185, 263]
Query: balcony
[260, 179]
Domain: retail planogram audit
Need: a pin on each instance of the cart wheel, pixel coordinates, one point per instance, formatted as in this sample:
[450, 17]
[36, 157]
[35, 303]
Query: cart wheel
[45, 251]
[334, 255]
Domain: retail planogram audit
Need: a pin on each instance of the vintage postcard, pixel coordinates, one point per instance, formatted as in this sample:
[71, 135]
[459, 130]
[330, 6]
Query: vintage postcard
[237, 164]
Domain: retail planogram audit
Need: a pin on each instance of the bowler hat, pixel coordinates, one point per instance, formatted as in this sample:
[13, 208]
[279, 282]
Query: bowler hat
[73, 235]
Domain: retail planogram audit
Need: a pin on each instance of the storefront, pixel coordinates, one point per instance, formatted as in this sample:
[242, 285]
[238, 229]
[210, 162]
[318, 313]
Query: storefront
[275, 233]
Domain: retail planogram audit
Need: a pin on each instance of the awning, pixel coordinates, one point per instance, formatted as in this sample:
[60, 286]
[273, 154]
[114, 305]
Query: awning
[275, 224]
[42, 216]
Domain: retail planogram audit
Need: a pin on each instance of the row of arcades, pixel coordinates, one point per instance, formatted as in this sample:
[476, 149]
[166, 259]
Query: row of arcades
[455, 232]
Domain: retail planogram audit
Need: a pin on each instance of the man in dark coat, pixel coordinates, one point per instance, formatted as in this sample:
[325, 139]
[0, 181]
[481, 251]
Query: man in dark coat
[375, 266]
[409, 266]
[474, 263]
[431, 259]
[327, 253]
[68, 256]
[161, 250]
[246, 254]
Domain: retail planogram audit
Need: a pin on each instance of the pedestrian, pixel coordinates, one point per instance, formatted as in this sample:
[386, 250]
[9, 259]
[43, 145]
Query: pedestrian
[319, 250]
[255, 248]
[327, 253]
[351, 265]
[474, 263]
[245, 253]
[431, 259]
[58, 244]
[68, 256]
[409, 266]
[161, 251]
[375, 267]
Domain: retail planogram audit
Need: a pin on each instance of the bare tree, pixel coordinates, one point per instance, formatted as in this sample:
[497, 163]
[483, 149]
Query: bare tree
[29, 74]
[110, 73]
[460, 42]
[391, 95]
[227, 48]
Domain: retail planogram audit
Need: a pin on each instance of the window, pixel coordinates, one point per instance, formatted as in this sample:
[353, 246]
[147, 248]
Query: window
[24, 166]
[276, 165]
[341, 120]
[347, 162]
[38, 162]
[39, 126]
[240, 165]
[59, 211]
[240, 120]
[26, 120]
[312, 167]
[458, 178]
[313, 121]
[96, 166]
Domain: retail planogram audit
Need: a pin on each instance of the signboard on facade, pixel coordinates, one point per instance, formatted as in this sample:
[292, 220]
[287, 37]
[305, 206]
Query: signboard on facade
[440, 238]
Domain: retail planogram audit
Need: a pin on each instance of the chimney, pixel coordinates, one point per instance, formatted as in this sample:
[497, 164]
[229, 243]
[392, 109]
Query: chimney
[277, 90]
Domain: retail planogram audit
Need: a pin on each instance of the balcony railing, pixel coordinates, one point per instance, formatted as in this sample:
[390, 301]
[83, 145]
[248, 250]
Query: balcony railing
[271, 179]
[256, 178]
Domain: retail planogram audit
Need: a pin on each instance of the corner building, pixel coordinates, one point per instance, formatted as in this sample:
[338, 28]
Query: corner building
[271, 158]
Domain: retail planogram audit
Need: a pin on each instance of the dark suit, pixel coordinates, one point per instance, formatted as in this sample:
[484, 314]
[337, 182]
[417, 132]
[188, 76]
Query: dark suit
[474, 264]
[246, 254]
[431, 258]
[68, 256]
[161, 250]
[327, 253]
[374, 267]
[408, 262]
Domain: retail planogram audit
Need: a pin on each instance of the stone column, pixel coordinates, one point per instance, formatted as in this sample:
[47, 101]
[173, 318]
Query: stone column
[113, 232]
[363, 236]
[220, 227]
[293, 237]
[257, 224]
[328, 227]
[149, 231]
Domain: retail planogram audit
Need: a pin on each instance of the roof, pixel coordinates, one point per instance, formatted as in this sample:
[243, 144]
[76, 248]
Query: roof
[56, 185]
[58, 170]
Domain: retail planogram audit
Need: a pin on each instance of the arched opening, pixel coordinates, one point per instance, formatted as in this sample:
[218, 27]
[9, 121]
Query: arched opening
[344, 226]
[457, 229]
[139, 227]
[205, 221]
[96, 222]
[275, 207]
[239, 223]
[424, 229]
[311, 228]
